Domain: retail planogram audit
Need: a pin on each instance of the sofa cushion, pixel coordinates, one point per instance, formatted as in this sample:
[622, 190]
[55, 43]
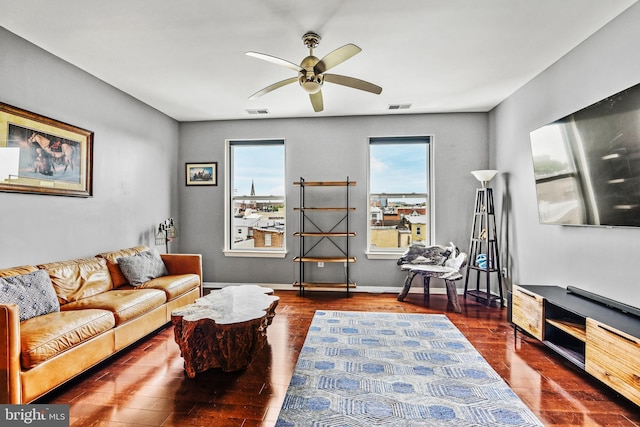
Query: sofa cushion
[142, 267]
[15, 271]
[32, 292]
[112, 263]
[125, 304]
[78, 278]
[46, 336]
[174, 285]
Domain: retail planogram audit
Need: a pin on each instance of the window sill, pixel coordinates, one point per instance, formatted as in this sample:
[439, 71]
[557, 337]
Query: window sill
[384, 255]
[255, 254]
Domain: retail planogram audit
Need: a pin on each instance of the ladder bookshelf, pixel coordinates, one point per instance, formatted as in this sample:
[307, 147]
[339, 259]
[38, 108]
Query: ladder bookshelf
[314, 231]
[484, 240]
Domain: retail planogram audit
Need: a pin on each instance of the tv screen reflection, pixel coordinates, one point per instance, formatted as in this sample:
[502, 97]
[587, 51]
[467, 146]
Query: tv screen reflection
[587, 164]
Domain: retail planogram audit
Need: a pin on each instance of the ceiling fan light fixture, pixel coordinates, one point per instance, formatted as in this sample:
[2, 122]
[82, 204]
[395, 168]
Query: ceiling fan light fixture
[311, 85]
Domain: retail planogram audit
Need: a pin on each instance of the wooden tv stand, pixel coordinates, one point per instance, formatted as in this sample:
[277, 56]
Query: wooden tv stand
[598, 335]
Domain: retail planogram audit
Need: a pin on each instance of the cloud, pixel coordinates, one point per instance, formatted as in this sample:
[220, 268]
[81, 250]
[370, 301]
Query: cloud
[377, 166]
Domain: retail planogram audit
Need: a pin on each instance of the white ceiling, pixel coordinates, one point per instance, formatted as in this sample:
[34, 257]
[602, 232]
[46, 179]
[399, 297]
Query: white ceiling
[186, 58]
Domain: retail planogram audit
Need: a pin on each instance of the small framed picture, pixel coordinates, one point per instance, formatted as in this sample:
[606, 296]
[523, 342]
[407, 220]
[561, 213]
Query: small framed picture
[202, 173]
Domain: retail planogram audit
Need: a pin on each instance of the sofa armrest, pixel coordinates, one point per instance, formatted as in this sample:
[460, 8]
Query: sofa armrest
[9, 354]
[183, 264]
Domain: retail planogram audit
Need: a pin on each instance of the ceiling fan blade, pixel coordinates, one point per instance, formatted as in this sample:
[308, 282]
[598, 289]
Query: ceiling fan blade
[273, 87]
[316, 101]
[275, 60]
[353, 82]
[336, 57]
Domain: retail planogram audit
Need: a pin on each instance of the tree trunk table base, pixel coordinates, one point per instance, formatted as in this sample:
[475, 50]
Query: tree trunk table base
[225, 329]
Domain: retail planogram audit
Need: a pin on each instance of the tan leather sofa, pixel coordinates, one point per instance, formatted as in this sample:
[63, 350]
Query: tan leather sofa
[100, 314]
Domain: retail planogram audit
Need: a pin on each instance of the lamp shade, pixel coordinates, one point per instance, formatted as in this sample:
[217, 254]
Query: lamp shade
[484, 175]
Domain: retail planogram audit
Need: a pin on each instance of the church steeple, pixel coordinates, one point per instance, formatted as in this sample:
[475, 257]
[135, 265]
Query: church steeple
[253, 190]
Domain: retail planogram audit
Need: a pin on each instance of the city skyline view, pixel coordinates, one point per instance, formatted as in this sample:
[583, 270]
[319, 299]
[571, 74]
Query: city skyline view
[398, 180]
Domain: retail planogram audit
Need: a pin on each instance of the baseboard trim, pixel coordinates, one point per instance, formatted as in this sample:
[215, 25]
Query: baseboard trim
[362, 289]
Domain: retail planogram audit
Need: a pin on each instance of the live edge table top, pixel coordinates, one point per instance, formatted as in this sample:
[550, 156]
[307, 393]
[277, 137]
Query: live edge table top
[233, 304]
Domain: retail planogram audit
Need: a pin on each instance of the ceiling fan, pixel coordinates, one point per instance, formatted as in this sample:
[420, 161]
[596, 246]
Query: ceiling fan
[312, 71]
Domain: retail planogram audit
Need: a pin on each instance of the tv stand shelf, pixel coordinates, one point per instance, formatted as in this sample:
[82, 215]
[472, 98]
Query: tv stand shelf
[597, 335]
[577, 330]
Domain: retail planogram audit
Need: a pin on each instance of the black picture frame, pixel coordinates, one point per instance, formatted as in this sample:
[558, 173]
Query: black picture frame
[201, 174]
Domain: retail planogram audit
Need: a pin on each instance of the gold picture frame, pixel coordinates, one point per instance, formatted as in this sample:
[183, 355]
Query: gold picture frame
[40, 155]
[201, 173]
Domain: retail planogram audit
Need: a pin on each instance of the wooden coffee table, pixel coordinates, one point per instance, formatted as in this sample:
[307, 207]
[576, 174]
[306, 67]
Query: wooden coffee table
[225, 329]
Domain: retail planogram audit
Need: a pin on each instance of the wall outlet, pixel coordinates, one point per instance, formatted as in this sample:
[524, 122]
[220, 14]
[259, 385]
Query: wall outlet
[320, 264]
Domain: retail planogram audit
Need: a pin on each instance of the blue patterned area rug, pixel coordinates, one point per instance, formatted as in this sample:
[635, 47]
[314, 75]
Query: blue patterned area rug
[394, 369]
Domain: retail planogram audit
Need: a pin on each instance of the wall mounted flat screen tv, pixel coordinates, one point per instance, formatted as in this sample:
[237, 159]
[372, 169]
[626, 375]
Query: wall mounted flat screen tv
[587, 164]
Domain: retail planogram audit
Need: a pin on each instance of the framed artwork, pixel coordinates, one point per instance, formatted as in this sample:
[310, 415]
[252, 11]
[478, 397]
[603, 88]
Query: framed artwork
[202, 173]
[40, 155]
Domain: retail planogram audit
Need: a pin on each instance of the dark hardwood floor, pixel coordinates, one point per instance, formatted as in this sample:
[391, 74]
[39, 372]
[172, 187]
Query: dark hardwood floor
[145, 384]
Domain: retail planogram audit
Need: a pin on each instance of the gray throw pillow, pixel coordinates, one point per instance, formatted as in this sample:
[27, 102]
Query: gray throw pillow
[142, 267]
[33, 293]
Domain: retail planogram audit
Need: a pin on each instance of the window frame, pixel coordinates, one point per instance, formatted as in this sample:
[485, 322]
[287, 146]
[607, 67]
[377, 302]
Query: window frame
[430, 194]
[228, 250]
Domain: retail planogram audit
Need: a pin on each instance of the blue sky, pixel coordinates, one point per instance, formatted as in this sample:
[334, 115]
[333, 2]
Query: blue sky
[395, 168]
[398, 168]
[264, 165]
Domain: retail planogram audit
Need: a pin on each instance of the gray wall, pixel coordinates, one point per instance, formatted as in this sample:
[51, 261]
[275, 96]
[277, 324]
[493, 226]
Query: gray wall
[135, 168]
[329, 149]
[604, 261]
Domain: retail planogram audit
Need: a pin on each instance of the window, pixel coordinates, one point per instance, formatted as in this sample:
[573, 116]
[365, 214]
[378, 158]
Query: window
[399, 207]
[256, 198]
[561, 196]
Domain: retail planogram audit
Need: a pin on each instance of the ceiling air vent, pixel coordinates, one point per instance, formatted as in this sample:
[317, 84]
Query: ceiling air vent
[399, 106]
[258, 111]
